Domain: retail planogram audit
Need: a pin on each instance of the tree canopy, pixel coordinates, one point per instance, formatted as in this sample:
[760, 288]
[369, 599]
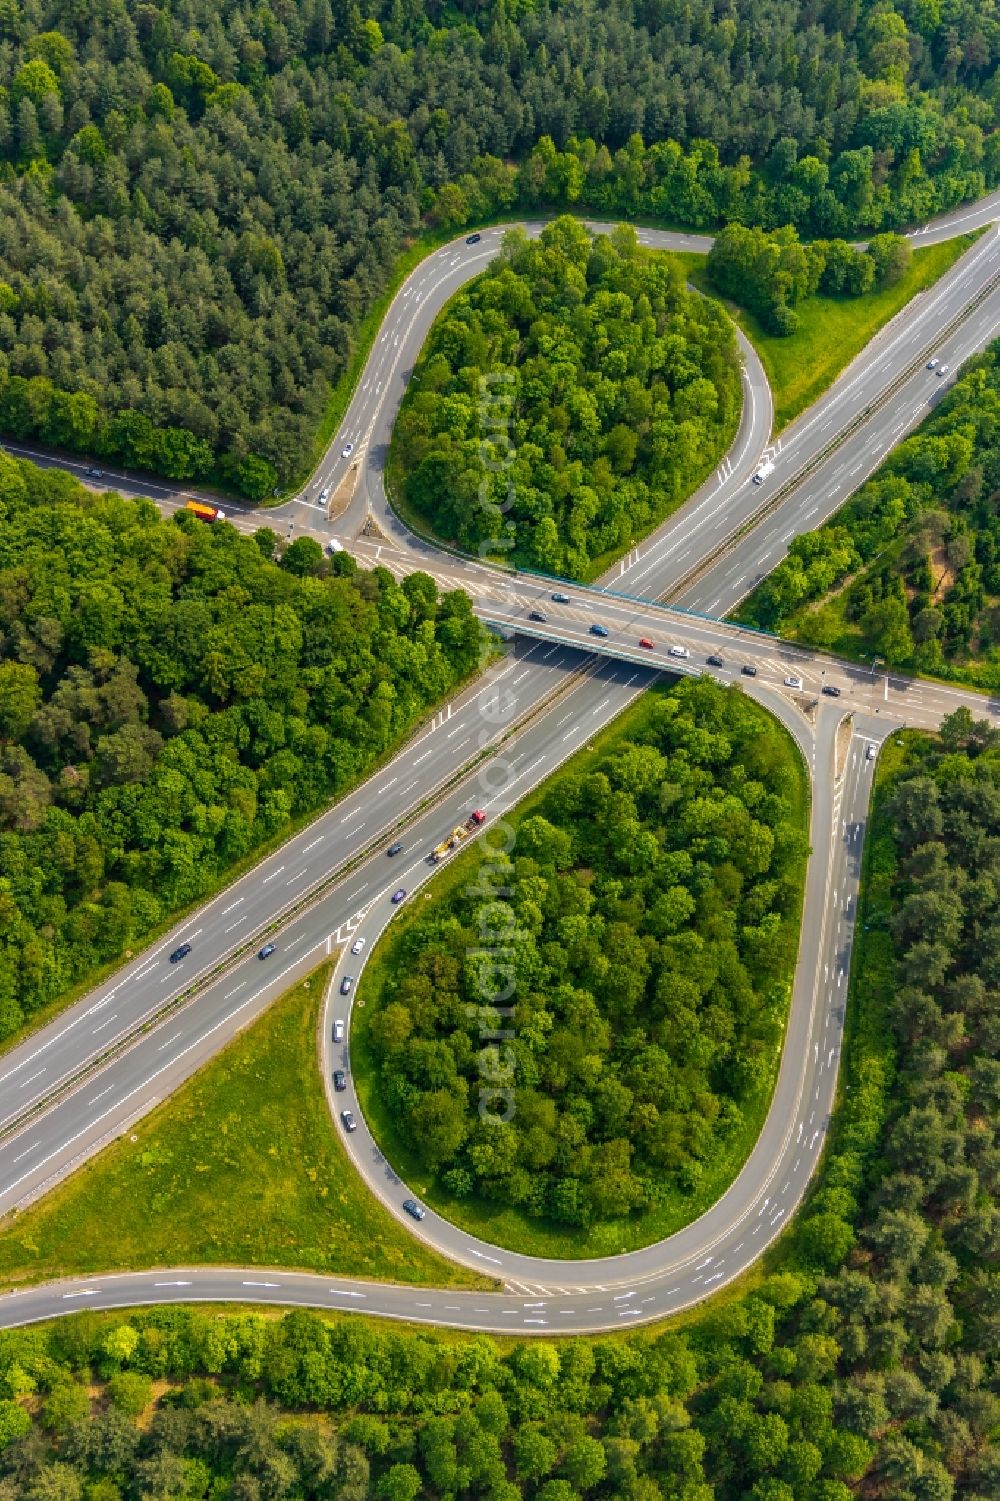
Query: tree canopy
[171, 696]
[646, 925]
[909, 568]
[566, 400]
[200, 202]
[772, 273]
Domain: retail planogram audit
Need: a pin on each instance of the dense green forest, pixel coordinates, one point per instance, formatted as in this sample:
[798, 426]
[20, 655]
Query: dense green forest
[909, 568]
[566, 400]
[649, 913]
[199, 200]
[863, 1363]
[171, 696]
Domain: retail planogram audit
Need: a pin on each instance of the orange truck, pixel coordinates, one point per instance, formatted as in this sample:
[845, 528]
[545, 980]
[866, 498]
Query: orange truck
[204, 512]
[454, 839]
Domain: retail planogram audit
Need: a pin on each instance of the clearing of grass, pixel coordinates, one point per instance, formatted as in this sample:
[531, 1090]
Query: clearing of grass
[242, 1167]
[831, 331]
[507, 1225]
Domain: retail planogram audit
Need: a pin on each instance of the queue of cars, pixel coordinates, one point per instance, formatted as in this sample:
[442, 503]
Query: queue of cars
[791, 680]
[748, 670]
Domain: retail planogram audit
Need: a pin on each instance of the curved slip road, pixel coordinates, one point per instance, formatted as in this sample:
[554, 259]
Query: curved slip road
[558, 1296]
[139, 1077]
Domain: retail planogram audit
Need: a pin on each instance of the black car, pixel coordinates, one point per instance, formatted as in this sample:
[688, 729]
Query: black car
[560, 599]
[714, 661]
[537, 615]
[339, 1079]
[350, 1124]
[179, 954]
[831, 690]
[266, 951]
[748, 671]
[412, 1207]
[473, 239]
[395, 849]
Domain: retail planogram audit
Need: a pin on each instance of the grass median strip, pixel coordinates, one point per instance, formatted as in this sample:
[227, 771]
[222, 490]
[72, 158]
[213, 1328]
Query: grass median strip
[242, 1167]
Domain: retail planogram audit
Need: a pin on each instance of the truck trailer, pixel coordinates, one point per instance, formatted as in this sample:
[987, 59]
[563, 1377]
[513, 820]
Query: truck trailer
[454, 839]
[204, 512]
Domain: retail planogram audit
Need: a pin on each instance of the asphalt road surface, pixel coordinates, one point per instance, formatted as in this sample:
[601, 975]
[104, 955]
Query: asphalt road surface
[103, 1063]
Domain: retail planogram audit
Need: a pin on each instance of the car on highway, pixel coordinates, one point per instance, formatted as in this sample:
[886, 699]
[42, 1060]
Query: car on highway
[338, 1031]
[398, 896]
[932, 364]
[679, 651]
[179, 953]
[346, 984]
[347, 450]
[560, 599]
[714, 661]
[324, 494]
[831, 690]
[942, 369]
[649, 644]
[870, 752]
[267, 951]
[537, 615]
[350, 1124]
[598, 630]
[395, 849]
[793, 681]
[93, 473]
[357, 945]
[473, 239]
[339, 1080]
[412, 1207]
[748, 671]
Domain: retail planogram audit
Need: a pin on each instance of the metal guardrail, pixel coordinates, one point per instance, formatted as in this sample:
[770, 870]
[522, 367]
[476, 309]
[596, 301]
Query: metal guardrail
[303, 903]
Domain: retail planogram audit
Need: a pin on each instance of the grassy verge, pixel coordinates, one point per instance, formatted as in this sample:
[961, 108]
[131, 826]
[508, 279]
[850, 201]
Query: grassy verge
[508, 1226]
[242, 1167]
[832, 330]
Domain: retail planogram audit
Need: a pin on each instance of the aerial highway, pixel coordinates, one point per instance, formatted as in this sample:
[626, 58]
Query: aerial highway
[103, 1063]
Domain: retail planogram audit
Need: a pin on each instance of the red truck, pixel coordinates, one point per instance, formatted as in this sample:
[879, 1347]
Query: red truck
[204, 512]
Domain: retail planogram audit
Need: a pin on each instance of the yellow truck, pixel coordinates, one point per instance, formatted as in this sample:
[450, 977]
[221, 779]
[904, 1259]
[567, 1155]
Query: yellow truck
[454, 839]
